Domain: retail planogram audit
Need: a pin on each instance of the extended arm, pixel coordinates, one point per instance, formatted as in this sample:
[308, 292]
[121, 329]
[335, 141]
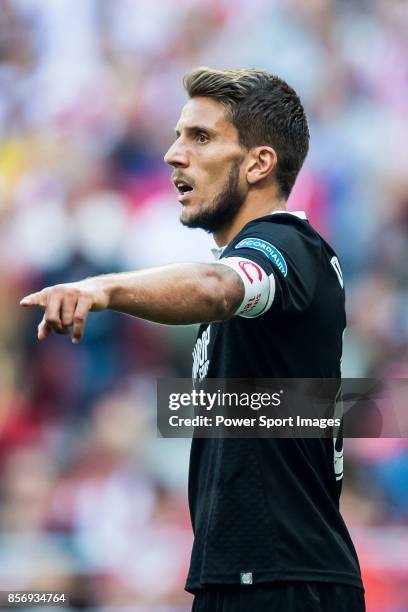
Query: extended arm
[177, 294]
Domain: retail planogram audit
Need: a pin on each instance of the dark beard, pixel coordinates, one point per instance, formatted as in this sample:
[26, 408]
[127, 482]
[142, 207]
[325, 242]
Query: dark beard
[224, 207]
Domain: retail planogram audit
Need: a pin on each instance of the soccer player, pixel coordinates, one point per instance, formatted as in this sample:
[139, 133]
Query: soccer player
[265, 512]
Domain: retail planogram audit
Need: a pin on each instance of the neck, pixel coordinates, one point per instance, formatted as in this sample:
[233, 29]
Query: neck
[257, 204]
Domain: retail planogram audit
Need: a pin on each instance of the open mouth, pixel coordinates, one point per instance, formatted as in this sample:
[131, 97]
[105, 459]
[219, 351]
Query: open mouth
[182, 187]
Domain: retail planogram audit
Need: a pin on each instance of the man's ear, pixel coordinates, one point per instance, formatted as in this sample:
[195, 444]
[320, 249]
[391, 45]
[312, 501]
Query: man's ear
[262, 164]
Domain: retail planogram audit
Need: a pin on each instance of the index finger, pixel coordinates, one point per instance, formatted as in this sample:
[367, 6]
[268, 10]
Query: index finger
[35, 299]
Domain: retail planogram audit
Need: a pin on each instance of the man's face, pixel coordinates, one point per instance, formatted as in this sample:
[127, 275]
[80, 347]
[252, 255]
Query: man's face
[207, 160]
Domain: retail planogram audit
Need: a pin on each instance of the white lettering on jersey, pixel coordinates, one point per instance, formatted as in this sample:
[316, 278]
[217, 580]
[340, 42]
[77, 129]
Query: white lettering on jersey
[338, 461]
[200, 355]
[336, 265]
[259, 287]
[338, 454]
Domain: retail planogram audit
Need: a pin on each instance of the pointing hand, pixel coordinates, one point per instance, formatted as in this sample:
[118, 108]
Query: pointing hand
[67, 306]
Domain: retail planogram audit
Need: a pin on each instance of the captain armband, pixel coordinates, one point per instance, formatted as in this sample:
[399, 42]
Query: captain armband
[259, 287]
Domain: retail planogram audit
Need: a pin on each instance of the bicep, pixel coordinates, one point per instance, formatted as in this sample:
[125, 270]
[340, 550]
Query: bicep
[254, 287]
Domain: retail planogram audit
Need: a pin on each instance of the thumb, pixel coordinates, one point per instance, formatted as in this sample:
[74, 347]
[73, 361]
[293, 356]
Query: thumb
[44, 330]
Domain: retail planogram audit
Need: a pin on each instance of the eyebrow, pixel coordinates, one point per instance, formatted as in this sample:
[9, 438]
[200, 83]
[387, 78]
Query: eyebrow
[193, 129]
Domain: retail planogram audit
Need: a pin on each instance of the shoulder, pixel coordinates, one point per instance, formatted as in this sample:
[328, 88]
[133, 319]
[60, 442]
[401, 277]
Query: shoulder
[278, 237]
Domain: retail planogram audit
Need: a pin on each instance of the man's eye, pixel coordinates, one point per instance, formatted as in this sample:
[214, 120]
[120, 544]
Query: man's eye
[202, 137]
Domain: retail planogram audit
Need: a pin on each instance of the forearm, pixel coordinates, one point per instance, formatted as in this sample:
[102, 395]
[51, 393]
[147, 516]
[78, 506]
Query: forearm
[176, 294]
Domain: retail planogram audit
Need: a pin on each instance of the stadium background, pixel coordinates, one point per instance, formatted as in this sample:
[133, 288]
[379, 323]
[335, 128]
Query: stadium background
[90, 501]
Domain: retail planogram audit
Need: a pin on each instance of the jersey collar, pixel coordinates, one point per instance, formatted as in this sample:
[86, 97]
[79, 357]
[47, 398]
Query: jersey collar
[298, 213]
[218, 251]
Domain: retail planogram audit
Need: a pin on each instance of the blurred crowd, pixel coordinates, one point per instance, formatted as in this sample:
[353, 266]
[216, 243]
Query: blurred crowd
[91, 501]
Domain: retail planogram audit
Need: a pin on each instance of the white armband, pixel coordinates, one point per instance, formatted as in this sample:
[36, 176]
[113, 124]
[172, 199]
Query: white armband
[259, 287]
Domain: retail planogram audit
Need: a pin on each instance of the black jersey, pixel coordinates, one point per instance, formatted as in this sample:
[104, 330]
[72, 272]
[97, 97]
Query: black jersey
[268, 509]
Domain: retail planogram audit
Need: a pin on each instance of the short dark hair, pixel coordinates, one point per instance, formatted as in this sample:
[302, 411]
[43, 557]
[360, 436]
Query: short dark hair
[264, 109]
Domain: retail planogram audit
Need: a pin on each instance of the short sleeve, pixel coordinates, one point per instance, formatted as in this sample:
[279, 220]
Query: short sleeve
[288, 252]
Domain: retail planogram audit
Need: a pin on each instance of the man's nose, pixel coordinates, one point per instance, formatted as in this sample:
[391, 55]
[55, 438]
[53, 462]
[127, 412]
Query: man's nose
[176, 156]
